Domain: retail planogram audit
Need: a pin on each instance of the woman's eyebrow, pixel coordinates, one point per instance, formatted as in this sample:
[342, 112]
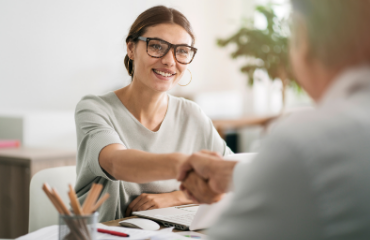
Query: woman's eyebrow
[170, 42]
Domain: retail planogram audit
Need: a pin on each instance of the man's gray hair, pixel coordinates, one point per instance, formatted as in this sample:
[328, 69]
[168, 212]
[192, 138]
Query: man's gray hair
[339, 30]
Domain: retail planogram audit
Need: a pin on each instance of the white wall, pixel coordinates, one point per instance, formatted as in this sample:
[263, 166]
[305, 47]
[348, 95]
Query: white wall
[52, 53]
[55, 52]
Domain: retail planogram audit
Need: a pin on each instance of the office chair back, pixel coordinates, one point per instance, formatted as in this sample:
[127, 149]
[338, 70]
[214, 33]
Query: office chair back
[42, 211]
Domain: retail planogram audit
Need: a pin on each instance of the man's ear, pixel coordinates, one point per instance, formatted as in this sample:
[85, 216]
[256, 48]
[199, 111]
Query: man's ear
[130, 50]
[302, 39]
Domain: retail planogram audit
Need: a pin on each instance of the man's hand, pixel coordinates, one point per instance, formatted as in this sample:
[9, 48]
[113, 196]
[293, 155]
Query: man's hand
[211, 167]
[153, 201]
[197, 189]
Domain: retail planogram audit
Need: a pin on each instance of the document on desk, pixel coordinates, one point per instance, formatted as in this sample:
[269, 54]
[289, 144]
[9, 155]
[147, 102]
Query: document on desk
[179, 236]
[133, 232]
[51, 233]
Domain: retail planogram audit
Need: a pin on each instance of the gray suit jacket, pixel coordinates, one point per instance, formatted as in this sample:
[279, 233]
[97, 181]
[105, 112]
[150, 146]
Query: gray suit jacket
[311, 179]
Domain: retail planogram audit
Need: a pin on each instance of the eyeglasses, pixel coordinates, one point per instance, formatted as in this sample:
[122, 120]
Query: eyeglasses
[157, 48]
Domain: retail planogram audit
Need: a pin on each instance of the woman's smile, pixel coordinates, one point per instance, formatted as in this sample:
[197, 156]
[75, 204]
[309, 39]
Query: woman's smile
[164, 74]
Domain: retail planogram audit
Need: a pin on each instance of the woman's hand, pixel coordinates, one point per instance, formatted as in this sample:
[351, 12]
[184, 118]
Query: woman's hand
[148, 201]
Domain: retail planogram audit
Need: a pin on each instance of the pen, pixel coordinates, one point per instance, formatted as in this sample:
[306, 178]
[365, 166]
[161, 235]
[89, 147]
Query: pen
[113, 232]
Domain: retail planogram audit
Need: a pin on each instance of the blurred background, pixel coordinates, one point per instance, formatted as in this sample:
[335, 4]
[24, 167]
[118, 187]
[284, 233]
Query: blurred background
[52, 53]
[55, 52]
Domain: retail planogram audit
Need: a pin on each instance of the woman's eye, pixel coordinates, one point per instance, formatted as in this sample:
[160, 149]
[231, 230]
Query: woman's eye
[156, 46]
[182, 51]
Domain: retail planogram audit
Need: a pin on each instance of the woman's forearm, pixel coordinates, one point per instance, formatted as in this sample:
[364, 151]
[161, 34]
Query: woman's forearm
[180, 198]
[137, 166]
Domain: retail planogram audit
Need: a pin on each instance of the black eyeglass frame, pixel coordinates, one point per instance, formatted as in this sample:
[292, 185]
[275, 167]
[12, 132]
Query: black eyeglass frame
[174, 46]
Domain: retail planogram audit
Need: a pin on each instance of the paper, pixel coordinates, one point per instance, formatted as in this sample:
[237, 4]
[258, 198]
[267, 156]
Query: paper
[133, 232]
[168, 236]
[193, 235]
[51, 233]
[46, 233]
[169, 229]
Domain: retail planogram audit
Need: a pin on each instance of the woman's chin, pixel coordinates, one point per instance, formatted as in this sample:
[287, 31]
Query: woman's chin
[163, 87]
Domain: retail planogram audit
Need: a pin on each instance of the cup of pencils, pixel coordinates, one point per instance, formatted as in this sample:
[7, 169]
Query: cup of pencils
[80, 223]
[76, 227]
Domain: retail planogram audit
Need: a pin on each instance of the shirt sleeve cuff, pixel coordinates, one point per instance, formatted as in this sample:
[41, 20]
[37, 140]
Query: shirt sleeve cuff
[99, 141]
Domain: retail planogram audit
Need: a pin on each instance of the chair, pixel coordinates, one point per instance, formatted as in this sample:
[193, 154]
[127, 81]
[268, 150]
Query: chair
[42, 211]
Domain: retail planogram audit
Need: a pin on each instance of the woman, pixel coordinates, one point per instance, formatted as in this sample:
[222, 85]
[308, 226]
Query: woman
[134, 139]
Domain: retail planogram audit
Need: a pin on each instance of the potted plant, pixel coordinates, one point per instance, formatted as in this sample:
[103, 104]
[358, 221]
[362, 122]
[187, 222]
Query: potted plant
[265, 49]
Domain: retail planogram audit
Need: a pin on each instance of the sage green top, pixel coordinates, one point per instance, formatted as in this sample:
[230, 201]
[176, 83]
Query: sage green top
[104, 120]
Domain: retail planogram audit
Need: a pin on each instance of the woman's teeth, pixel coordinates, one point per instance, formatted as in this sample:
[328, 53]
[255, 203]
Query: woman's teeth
[163, 73]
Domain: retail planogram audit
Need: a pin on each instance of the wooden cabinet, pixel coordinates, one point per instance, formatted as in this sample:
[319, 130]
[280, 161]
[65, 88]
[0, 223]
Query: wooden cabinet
[17, 166]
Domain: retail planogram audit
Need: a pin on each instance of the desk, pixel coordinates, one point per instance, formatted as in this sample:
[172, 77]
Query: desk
[17, 166]
[225, 124]
[115, 223]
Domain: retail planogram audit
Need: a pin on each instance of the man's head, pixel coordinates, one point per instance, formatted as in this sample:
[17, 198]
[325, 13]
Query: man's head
[328, 36]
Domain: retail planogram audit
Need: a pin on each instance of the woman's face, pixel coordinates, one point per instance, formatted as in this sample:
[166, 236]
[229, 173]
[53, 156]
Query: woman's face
[158, 74]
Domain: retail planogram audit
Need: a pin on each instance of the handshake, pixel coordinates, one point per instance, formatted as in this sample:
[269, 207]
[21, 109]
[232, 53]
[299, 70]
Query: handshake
[205, 177]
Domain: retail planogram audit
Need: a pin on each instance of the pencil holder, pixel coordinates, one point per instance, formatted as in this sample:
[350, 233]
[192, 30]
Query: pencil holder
[78, 227]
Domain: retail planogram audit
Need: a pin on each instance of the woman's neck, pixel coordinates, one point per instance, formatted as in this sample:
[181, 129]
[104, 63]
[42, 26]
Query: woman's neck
[147, 106]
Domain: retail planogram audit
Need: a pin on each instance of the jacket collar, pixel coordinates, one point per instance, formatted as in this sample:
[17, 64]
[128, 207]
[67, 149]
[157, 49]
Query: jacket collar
[348, 83]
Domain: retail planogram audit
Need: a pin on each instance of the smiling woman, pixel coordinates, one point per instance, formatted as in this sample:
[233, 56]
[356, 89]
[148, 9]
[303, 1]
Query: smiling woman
[155, 61]
[134, 139]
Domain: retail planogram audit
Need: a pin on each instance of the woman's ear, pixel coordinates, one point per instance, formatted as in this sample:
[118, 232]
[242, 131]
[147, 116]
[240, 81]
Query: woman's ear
[130, 50]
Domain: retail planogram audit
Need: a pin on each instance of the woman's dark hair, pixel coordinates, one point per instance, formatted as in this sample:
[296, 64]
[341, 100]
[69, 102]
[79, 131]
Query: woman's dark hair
[151, 17]
[338, 30]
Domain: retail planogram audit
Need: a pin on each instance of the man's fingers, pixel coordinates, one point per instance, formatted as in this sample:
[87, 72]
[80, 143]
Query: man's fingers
[191, 197]
[188, 194]
[199, 189]
[219, 187]
[196, 162]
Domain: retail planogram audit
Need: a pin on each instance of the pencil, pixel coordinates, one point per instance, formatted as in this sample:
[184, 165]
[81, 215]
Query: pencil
[88, 199]
[100, 202]
[74, 201]
[60, 202]
[78, 227]
[47, 190]
[94, 197]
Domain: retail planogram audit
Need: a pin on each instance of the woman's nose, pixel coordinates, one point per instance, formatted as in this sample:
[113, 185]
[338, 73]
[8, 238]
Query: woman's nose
[169, 58]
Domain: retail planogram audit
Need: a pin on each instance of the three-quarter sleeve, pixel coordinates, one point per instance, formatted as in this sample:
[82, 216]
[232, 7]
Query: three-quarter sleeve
[94, 132]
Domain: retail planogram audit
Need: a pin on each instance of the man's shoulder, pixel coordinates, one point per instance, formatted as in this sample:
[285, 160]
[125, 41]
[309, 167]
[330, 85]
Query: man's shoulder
[298, 124]
[321, 127]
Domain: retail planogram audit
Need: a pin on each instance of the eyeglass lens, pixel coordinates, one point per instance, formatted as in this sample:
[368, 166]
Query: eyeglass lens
[158, 48]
